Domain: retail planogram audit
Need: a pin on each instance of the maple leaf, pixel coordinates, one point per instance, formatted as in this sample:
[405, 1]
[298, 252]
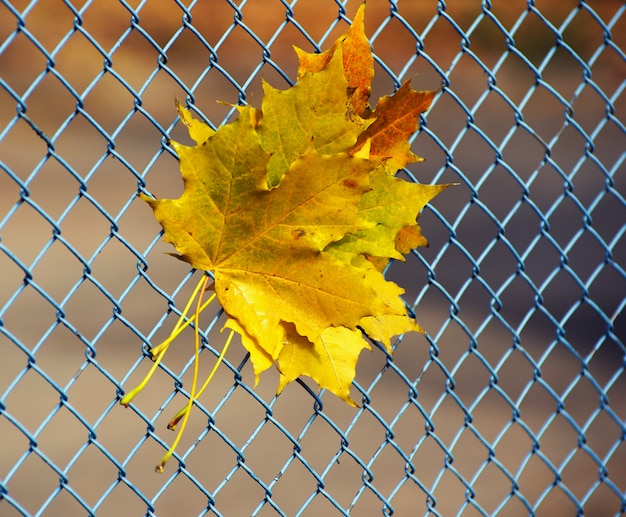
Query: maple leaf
[295, 211]
[358, 63]
[313, 111]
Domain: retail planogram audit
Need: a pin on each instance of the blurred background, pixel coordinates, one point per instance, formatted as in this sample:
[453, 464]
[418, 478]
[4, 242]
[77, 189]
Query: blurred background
[512, 402]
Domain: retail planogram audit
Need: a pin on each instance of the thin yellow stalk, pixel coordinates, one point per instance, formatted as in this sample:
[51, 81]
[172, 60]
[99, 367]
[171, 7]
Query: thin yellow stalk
[159, 351]
[194, 382]
[180, 324]
[183, 412]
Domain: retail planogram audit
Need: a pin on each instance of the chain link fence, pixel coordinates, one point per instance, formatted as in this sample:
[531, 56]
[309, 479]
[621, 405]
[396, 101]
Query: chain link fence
[511, 404]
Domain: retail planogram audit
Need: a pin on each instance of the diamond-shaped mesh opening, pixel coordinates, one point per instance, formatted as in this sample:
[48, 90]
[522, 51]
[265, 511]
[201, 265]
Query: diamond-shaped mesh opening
[511, 402]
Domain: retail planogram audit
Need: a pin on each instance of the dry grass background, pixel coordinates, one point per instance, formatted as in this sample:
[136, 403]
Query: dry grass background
[56, 340]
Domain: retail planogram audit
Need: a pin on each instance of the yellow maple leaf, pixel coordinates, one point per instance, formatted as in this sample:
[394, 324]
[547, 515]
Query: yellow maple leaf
[294, 210]
[329, 360]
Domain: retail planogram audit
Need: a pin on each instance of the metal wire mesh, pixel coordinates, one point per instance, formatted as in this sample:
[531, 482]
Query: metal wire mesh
[512, 404]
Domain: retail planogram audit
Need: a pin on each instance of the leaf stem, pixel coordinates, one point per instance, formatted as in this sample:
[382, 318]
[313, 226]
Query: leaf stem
[158, 351]
[180, 324]
[194, 382]
[185, 410]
